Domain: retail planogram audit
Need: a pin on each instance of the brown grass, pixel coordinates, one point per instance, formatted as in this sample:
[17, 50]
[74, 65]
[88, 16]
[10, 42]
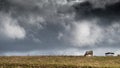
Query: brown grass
[59, 62]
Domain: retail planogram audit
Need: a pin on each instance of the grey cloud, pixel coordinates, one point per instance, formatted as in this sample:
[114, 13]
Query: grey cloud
[53, 24]
[106, 18]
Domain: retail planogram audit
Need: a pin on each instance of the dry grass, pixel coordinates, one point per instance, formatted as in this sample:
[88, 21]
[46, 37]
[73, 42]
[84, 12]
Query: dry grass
[59, 62]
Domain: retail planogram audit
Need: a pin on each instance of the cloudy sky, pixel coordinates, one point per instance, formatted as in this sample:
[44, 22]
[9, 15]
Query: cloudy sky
[58, 27]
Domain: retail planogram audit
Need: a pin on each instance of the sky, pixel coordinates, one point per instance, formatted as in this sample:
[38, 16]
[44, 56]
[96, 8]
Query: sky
[58, 27]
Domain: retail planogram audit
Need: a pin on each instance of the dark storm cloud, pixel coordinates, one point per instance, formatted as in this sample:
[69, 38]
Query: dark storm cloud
[109, 12]
[102, 3]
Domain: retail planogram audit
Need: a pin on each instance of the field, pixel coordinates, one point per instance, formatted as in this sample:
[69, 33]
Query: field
[59, 62]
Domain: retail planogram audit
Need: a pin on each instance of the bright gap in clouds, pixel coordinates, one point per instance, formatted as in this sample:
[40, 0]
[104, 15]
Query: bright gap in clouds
[14, 31]
[86, 33]
[11, 29]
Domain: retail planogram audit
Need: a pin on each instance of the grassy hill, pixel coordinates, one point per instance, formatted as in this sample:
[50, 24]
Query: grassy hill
[59, 62]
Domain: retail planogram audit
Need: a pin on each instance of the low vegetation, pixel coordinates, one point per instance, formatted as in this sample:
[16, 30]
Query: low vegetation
[59, 62]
